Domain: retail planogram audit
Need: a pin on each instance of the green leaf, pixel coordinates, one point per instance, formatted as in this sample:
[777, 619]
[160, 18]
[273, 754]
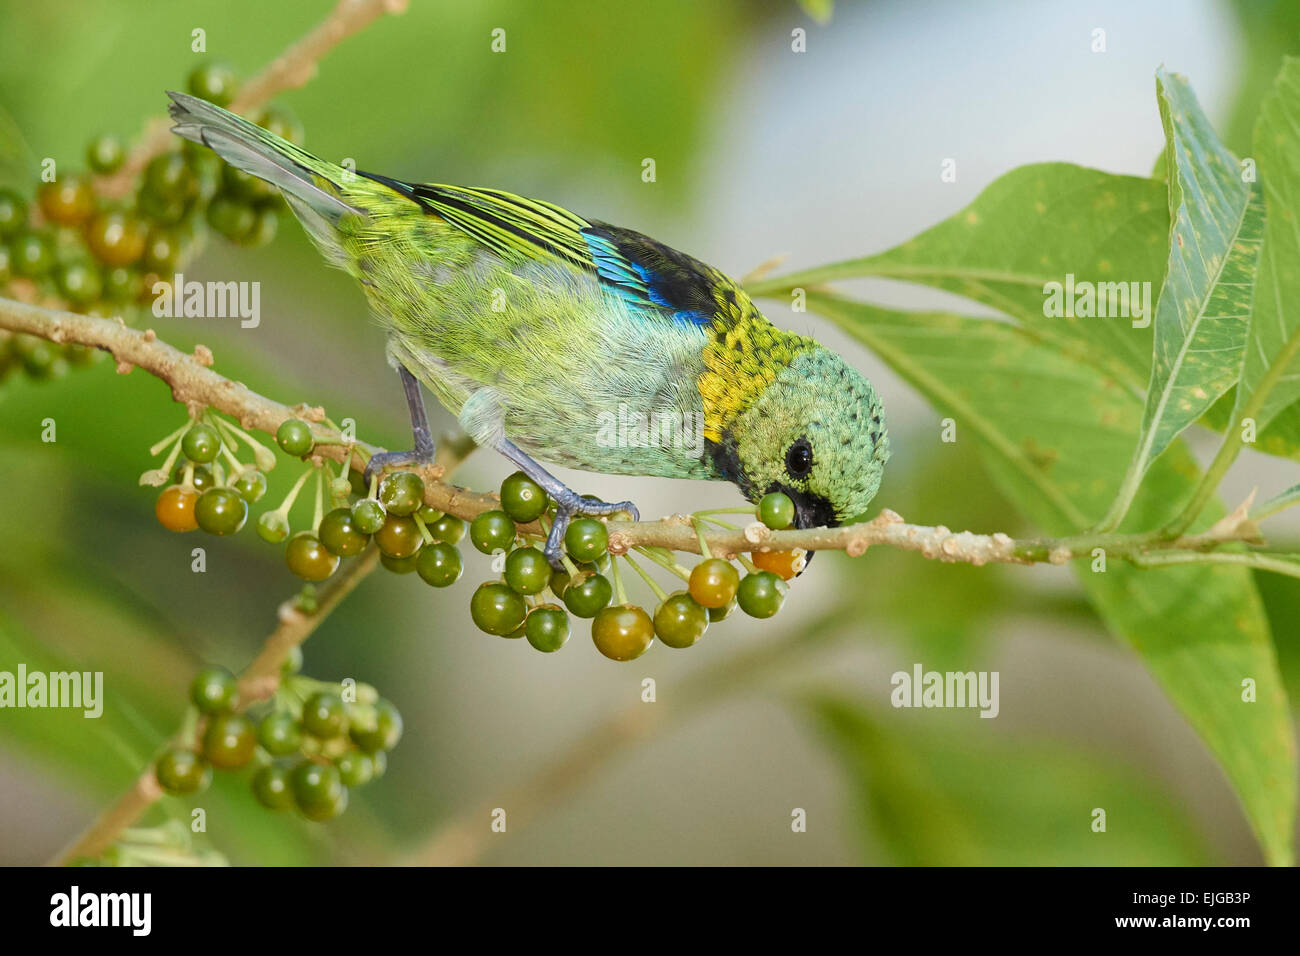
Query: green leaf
[1270, 378]
[819, 10]
[1204, 310]
[1056, 435]
[1277, 503]
[942, 799]
[1035, 226]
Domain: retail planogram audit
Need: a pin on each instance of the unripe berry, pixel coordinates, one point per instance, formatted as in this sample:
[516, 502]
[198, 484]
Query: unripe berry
[622, 632]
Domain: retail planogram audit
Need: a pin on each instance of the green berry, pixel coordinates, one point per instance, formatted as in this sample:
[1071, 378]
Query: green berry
[622, 632]
[181, 771]
[439, 564]
[213, 690]
[294, 437]
[527, 571]
[213, 81]
[308, 559]
[401, 493]
[586, 539]
[340, 534]
[318, 790]
[496, 609]
[368, 515]
[522, 498]
[776, 510]
[721, 613]
[680, 621]
[399, 537]
[587, 597]
[201, 477]
[229, 741]
[168, 178]
[33, 254]
[265, 226]
[559, 581]
[404, 565]
[250, 485]
[220, 511]
[492, 531]
[121, 284]
[13, 213]
[162, 250]
[448, 529]
[279, 734]
[273, 527]
[324, 715]
[40, 359]
[79, 282]
[386, 731]
[356, 769]
[272, 786]
[761, 594]
[713, 582]
[232, 218]
[547, 628]
[105, 154]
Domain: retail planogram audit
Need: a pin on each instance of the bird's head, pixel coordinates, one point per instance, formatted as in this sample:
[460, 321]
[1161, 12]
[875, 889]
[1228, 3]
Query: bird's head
[816, 433]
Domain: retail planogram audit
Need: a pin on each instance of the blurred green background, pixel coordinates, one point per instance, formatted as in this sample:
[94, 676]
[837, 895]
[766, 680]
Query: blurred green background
[759, 151]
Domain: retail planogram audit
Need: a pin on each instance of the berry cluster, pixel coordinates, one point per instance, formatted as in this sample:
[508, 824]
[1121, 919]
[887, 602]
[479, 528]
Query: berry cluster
[74, 247]
[528, 599]
[313, 743]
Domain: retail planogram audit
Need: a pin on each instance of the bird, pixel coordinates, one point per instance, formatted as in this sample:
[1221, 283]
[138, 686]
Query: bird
[560, 339]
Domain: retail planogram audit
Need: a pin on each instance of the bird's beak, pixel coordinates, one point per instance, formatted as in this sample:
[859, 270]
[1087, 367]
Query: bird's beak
[812, 512]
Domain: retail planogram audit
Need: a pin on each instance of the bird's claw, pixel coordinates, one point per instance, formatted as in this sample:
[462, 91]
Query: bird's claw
[566, 509]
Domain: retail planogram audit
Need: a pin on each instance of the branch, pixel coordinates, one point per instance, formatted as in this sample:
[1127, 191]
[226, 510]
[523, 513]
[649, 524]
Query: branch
[198, 387]
[288, 71]
[259, 681]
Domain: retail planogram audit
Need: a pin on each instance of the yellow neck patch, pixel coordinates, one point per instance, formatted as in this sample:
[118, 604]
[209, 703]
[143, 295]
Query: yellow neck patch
[744, 355]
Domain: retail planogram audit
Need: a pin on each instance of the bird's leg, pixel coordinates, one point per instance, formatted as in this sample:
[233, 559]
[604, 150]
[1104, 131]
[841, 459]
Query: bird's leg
[568, 502]
[422, 453]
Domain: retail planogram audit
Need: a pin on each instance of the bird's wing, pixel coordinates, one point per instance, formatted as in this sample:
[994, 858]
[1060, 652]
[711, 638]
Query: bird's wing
[645, 273]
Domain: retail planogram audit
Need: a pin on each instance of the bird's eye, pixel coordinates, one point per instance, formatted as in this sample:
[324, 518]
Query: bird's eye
[798, 460]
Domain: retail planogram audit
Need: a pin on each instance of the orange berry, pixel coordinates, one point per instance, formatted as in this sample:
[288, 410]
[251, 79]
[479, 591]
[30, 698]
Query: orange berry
[69, 201]
[175, 508]
[116, 238]
[784, 564]
[713, 583]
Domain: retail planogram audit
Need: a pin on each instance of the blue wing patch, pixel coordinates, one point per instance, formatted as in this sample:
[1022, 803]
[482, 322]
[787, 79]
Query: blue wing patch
[646, 273]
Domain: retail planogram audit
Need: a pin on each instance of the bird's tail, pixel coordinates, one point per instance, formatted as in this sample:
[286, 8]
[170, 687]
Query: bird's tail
[303, 178]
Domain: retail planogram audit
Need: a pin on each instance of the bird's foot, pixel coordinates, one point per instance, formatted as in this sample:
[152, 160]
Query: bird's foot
[571, 505]
[381, 461]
